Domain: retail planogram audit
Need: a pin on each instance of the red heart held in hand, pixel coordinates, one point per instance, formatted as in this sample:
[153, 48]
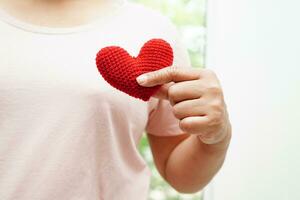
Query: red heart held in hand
[120, 69]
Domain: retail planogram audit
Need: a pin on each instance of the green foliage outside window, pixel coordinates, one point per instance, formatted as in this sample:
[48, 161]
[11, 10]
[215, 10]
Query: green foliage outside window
[189, 16]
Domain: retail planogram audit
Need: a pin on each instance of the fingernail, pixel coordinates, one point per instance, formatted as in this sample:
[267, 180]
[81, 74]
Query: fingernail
[142, 79]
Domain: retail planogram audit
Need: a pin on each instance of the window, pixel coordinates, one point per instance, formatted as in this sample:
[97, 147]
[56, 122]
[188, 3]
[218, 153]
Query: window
[189, 16]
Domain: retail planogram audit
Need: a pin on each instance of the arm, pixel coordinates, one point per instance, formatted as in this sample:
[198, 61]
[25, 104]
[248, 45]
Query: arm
[189, 161]
[185, 162]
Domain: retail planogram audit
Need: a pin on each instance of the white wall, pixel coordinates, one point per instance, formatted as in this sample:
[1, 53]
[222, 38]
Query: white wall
[254, 47]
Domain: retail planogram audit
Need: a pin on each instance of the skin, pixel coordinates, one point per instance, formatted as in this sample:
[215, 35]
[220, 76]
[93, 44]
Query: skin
[187, 161]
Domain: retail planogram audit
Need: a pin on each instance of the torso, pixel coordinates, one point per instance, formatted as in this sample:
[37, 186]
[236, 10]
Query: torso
[65, 132]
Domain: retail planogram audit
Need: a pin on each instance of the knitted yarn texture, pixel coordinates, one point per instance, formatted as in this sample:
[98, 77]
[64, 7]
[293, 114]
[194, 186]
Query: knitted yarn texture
[120, 69]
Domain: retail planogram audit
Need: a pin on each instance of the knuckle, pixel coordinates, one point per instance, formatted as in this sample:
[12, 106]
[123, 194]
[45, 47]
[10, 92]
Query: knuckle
[217, 106]
[172, 71]
[218, 117]
[214, 90]
[215, 119]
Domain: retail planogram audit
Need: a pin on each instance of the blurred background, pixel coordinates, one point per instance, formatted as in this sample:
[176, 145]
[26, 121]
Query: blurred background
[190, 18]
[253, 46]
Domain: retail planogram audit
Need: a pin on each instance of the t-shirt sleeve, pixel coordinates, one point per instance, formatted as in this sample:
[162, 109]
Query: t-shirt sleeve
[161, 121]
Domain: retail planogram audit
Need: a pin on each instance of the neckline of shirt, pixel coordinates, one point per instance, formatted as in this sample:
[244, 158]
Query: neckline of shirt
[114, 6]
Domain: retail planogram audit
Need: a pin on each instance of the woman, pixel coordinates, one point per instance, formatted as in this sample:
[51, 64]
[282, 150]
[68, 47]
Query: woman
[66, 134]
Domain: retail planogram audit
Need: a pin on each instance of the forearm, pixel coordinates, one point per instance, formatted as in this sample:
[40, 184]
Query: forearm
[192, 164]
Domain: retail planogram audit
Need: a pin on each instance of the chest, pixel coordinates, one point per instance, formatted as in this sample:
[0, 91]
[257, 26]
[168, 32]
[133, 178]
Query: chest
[36, 72]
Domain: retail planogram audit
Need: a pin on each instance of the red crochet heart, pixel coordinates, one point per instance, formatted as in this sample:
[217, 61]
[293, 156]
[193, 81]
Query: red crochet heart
[120, 69]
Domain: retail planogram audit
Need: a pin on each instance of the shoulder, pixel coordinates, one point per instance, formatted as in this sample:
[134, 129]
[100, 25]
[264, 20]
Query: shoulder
[139, 24]
[145, 17]
[142, 12]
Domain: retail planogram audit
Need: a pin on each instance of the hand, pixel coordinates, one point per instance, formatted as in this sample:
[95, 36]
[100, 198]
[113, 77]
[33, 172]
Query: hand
[197, 99]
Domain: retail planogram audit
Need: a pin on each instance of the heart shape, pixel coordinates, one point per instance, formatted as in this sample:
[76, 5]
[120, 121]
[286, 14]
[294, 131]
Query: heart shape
[120, 69]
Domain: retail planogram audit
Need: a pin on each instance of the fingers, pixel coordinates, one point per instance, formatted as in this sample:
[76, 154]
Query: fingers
[186, 90]
[176, 92]
[167, 75]
[195, 125]
[195, 107]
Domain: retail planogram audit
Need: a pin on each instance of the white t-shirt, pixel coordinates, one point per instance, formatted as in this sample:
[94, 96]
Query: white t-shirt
[66, 134]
